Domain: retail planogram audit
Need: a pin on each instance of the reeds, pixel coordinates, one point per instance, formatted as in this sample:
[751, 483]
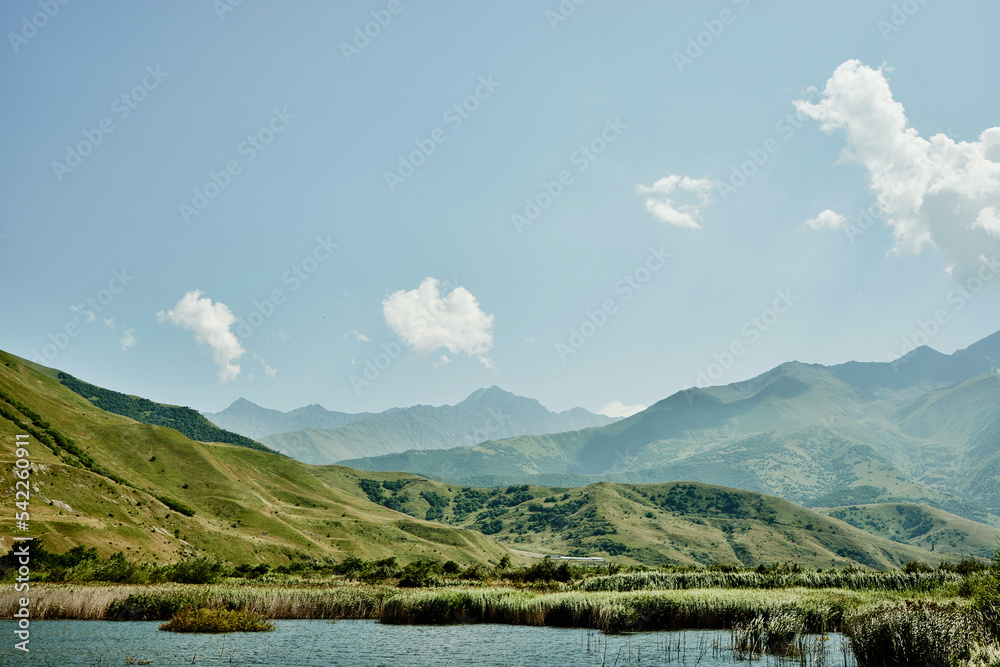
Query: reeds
[616, 612]
[869, 581]
[160, 601]
[915, 633]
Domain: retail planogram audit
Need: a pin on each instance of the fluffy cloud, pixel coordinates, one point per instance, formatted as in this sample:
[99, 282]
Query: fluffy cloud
[826, 220]
[426, 321]
[695, 191]
[211, 324]
[936, 192]
[617, 409]
[128, 339]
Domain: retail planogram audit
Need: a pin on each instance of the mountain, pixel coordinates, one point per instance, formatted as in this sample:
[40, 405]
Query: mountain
[105, 480]
[253, 421]
[924, 429]
[486, 414]
[108, 481]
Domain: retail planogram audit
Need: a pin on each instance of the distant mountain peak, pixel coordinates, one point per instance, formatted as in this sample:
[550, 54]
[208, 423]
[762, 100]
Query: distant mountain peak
[492, 392]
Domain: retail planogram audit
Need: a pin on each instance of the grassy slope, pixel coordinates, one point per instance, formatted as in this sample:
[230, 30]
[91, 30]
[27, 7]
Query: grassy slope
[922, 526]
[712, 524]
[249, 505]
[796, 431]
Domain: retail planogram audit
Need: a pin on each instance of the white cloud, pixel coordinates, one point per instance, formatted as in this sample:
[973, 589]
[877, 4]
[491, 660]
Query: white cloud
[443, 360]
[270, 372]
[128, 339]
[110, 323]
[283, 336]
[360, 336]
[210, 323]
[696, 191]
[988, 220]
[617, 409]
[426, 321]
[936, 192]
[826, 220]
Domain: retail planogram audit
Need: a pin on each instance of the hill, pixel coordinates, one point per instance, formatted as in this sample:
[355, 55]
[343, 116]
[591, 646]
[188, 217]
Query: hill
[104, 480]
[676, 523]
[818, 436]
[187, 421]
[486, 414]
[921, 526]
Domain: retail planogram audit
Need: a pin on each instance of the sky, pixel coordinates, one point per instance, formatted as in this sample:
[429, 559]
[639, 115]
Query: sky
[377, 204]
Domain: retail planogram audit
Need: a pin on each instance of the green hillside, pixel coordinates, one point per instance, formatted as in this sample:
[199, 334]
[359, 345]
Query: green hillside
[104, 480]
[798, 431]
[241, 504]
[675, 523]
[189, 422]
[922, 526]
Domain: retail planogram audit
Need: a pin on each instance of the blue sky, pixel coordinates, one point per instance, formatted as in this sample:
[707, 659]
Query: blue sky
[608, 203]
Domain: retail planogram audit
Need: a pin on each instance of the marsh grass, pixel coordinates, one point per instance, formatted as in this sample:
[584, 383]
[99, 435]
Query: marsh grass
[816, 611]
[868, 581]
[216, 621]
[921, 633]
[161, 601]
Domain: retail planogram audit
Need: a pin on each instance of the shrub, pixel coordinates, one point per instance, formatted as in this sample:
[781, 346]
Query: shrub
[421, 574]
[917, 566]
[216, 620]
[200, 570]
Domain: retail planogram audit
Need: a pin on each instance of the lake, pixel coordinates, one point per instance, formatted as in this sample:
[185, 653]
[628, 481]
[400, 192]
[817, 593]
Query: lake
[312, 643]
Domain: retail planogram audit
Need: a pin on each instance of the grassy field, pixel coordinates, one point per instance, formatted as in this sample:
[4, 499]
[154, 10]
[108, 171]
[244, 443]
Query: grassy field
[241, 505]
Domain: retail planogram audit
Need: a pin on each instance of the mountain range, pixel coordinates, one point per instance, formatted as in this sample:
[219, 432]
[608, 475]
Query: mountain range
[922, 429]
[322, 437]
[116, 483]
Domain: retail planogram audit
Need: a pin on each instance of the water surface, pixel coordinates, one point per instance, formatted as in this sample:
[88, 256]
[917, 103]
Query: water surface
[314, 643]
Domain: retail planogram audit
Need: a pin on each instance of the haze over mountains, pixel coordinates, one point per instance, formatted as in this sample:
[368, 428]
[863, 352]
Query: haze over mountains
[925, 428]
[253, 421]
[315, 435]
